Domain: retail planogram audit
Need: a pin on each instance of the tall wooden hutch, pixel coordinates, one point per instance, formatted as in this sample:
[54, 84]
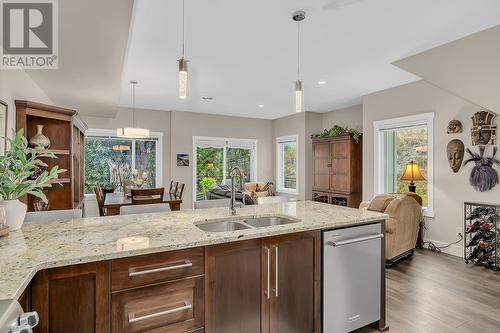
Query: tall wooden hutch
[337, 170]
[66, 132]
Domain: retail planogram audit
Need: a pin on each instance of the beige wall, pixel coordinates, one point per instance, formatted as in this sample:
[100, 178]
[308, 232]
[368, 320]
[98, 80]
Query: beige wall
[450, 190]
[351, 117]
[16, 84]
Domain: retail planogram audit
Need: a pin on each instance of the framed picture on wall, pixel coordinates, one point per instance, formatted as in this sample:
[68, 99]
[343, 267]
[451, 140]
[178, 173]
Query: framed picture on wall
[3, 126]
[183, 160]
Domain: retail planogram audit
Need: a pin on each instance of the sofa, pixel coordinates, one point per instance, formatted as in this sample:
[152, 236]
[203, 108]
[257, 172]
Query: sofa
[252, 191]
[402, 227]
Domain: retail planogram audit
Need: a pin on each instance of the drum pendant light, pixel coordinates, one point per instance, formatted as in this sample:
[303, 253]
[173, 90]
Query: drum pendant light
[133, 132]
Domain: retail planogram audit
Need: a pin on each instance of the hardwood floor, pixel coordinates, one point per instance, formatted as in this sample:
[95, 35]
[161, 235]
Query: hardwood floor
[439, 293]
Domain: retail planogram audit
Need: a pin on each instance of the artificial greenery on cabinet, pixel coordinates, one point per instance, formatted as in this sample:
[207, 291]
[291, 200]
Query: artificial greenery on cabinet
[338, 131]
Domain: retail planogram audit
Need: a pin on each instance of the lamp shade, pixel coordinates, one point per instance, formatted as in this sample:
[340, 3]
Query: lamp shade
[412, 172]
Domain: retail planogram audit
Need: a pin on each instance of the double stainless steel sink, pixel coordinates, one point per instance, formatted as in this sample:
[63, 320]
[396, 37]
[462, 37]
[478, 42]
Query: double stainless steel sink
[233, 224]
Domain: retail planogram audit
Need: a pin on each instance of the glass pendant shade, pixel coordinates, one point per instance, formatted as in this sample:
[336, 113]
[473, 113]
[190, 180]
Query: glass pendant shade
[183, 78]
[298, 96]
[121, 148]
[132, 133]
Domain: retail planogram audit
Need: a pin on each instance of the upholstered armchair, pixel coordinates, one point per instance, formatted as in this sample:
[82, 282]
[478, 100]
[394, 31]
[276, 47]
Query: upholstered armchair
[405, 215]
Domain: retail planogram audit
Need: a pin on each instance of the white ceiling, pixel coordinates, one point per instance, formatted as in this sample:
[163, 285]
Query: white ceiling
[243, 53]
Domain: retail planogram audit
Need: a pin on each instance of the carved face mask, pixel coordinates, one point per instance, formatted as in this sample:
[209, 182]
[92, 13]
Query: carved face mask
[455, 126]
[455, 151]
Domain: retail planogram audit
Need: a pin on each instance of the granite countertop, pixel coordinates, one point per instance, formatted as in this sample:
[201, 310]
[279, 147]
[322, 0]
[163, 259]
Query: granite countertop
[60, 243]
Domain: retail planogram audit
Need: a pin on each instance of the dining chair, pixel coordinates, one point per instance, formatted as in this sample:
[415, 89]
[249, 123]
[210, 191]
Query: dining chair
[215, 203]
[53, 215]
[128, 184]
[273, 199]
[147, 196]
[99, 195]
[141, 209]
[179, 191]
[173, 188]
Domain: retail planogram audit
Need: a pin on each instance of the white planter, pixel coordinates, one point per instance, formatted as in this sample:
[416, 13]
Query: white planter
[15, 212]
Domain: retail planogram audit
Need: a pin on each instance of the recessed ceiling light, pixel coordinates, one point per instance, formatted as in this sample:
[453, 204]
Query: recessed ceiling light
[207, 98]
[321, 82]
[260, 105]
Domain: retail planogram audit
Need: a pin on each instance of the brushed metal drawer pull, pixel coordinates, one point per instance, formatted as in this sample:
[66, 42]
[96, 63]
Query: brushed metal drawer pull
[354, 240]
[132, 271]
[133, 319]
[268, 292]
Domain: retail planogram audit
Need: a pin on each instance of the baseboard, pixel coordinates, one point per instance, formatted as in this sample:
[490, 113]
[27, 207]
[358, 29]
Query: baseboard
[456, 249]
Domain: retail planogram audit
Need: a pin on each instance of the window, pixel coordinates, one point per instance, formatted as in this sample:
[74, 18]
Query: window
[214, 159]
[110, 160]
[398, 142]
[287, 164]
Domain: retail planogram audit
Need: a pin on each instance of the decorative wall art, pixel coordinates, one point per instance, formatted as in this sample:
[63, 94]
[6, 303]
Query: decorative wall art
[483, 177]
[3, 126]
[455, 151]
[483, 131]
[183, 160]
[455, 126]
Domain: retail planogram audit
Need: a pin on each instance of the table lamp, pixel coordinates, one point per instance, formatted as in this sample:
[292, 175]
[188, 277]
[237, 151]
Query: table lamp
[412, 173]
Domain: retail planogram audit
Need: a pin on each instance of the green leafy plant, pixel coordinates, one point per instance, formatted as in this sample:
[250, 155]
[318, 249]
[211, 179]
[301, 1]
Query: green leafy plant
[109, 186]
[18, 167]
[337, 131]
[207, 183]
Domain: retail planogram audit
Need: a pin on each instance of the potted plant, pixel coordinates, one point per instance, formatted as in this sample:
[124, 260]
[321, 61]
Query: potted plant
[17, 169]
[108, 187]
[206, 184]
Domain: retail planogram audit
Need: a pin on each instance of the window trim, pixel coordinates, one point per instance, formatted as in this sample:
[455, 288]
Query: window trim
[279, 177]
[423, 119]
[253, 158]
[111, 133]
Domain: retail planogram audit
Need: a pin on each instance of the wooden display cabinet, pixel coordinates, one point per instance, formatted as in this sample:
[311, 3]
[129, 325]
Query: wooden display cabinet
[66, 132]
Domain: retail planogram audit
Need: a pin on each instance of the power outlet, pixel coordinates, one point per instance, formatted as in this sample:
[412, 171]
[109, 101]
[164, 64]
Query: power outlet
[459, 231]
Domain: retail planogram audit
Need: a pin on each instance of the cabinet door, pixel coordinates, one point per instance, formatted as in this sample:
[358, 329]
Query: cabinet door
[233, 287]
[72, 299]
[340, 162]
[294, 305]
[321, 165]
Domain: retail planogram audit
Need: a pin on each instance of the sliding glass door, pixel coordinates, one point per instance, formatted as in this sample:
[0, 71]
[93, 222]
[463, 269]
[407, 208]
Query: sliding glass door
[216, 157]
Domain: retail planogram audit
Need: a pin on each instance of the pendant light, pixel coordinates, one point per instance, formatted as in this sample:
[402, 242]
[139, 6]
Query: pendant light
[132, 132]
[183, 64]
[298, 17]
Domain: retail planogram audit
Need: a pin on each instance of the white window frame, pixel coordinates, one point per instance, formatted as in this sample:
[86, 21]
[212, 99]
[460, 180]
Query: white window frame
[109, 133]
[253, 158]
[279, 162]
[423, 119]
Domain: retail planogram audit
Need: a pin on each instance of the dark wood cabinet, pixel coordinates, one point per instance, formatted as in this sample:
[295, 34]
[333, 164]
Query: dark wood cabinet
[233, 287]
[294, 301]
[337, 170]
[269, 286]
[66, 133]
[72, 299]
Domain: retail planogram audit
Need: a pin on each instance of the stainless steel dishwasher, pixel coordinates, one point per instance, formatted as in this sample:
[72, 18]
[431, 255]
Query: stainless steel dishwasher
[351, 277]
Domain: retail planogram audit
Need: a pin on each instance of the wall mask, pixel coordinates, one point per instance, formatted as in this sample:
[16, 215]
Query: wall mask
[483, 131]
[455, 126]
[455, 152]
[483, 177]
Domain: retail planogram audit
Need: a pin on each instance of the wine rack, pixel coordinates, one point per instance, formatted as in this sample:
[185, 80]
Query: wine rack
[481, 241]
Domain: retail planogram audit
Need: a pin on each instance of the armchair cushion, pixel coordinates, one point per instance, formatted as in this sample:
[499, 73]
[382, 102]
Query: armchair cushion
[380, 202]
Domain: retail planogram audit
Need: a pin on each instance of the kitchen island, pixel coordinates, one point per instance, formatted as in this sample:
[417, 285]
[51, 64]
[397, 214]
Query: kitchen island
[107, 253]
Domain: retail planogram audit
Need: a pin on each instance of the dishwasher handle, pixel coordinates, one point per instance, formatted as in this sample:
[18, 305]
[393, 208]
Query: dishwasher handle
[354, 240]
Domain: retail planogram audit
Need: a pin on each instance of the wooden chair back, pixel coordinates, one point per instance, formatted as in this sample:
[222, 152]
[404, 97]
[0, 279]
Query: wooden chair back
[179, 191]
[99, 195]
[173, 188]
[147, 196]
[128, 184]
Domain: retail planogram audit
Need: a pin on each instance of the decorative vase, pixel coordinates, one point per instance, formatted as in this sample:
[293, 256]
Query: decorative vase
[39, 141]
[39, 205]
[15, 211]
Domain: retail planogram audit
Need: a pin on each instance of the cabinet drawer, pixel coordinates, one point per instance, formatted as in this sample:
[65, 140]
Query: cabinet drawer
[155, 268]
[170, 307]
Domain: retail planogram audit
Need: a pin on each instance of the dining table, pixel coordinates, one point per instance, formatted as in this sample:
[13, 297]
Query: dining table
[113, 202]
